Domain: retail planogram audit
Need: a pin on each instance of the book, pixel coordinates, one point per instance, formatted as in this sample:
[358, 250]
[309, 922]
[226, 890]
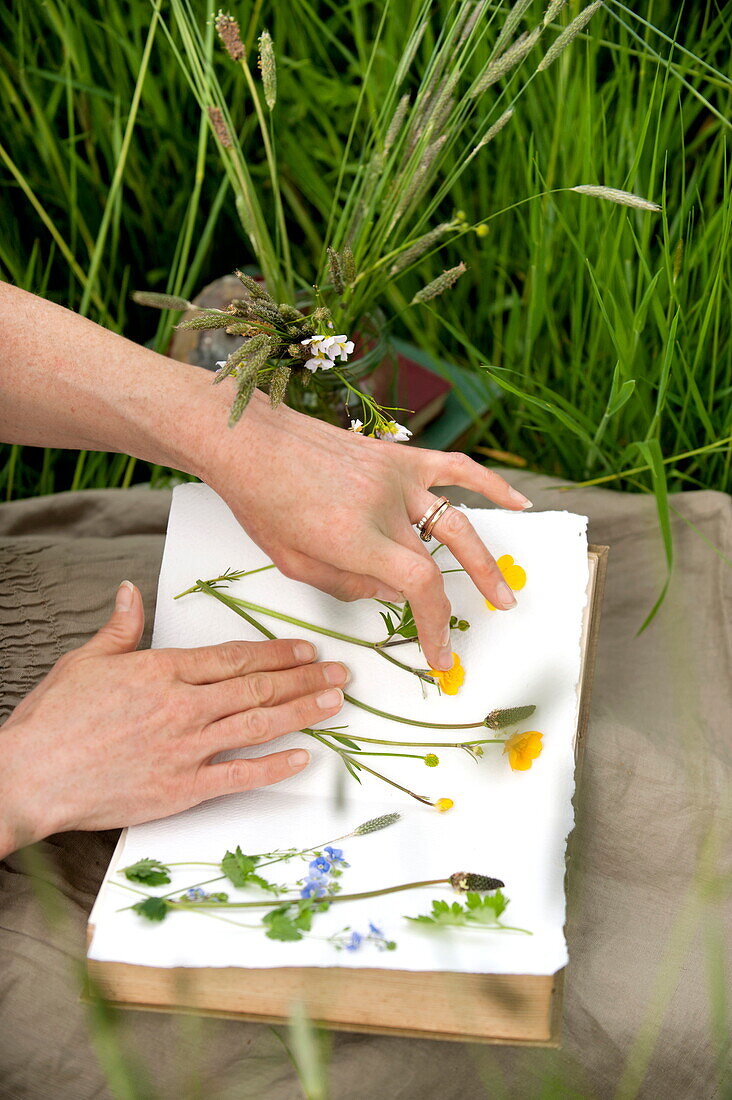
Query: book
[478, 992]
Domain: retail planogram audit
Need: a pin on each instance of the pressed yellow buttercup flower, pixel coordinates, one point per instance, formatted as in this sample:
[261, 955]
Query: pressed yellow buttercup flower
[514, 576]
[523, 749]
[452, 679]
[444, 804]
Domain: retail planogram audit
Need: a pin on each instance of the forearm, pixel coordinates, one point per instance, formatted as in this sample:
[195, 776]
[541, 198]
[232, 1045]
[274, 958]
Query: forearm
[67, 382]
[21, 800]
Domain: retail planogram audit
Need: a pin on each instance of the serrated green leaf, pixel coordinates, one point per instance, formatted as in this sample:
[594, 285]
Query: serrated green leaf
[480, 910]
[152, 908]
[149, 871]
[282, 928]
[238, 867]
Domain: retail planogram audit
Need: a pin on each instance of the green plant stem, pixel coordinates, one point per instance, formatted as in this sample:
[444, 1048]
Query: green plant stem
[402, 755]
[412, 721]
[431, 744]
[282, 238]
[274, 904]
[119, 171]
[224, 577]
[642, 469]
[344, 754]
[238, 606]
[268, 863]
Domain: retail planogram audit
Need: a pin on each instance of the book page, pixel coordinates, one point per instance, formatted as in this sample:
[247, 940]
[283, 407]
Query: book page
[511, 825]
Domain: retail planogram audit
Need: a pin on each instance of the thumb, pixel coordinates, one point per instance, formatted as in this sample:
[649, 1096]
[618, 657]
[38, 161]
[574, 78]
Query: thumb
[122, 631]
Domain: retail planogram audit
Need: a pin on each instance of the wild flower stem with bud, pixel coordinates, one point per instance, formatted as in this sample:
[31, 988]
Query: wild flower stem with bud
[373, 825]
[482, 884]
[240, 606]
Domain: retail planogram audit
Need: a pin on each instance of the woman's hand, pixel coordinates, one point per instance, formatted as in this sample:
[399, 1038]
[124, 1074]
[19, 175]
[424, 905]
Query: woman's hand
[335, 509]
[114, 737]
[329, 507]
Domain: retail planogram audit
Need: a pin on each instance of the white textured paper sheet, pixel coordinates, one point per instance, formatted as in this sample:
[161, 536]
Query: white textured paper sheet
[511, 825]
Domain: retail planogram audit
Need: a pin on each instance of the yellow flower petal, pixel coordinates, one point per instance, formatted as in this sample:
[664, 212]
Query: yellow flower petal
[442, 805]
[451, 679]
[514, 576]
[523, 749]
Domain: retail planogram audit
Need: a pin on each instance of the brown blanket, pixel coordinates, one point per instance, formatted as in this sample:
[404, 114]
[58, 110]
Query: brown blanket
[650, 892]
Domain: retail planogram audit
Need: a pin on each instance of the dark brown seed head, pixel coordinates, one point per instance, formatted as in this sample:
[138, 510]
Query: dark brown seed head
[465, 882]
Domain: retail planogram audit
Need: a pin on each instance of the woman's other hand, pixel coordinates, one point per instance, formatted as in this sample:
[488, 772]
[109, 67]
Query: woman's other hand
[114, 737]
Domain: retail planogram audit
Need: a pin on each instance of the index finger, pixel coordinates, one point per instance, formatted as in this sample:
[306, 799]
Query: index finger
[418, 576]
[209, 664]
[456, 468]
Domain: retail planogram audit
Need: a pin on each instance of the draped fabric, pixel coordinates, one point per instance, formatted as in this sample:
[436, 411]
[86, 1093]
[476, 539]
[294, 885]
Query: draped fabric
[649, 899]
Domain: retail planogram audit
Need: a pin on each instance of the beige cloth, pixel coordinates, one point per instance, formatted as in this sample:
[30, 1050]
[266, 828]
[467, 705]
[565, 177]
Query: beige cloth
[653, 813]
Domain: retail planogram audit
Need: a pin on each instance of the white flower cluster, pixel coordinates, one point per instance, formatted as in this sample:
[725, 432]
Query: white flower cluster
[326, 349]
[397, 433]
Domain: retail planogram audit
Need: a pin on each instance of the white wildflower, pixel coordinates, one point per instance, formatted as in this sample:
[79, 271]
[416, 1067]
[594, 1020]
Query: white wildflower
[397, 433]
[356, 426]
[318, 362]
[319, 345]
[340, 345]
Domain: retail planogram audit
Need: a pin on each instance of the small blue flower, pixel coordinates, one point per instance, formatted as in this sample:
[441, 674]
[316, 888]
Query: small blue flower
[335, 855]
[374, 931]
[312, 889]
[353, 942]
[320, 864]
[195, 893]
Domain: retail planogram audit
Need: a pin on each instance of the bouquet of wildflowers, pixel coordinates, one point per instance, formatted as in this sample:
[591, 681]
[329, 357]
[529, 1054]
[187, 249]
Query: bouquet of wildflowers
[417, 138]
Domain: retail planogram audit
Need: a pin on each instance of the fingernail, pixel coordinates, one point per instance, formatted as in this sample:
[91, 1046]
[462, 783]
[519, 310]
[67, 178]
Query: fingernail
[330, 699]
[445, 639]
[519, 498]
[123, 600]
[505, 596]
[298, 759]
[444, 661]
[337, 674]
[303, 651]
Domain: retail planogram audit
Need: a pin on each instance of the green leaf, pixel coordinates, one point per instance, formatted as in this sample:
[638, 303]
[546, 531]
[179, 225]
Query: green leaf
[257, 880]
[149, 871]
[407, 627]
[388, 622]
[152, 908]
[345, 741]
[621, 397]
[280, 927]
[289, 921]
[353, 768]
[650, 449]
[481, 910]
[240, 870]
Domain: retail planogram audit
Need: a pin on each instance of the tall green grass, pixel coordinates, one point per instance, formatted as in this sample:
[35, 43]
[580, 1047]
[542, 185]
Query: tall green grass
[608, 329]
